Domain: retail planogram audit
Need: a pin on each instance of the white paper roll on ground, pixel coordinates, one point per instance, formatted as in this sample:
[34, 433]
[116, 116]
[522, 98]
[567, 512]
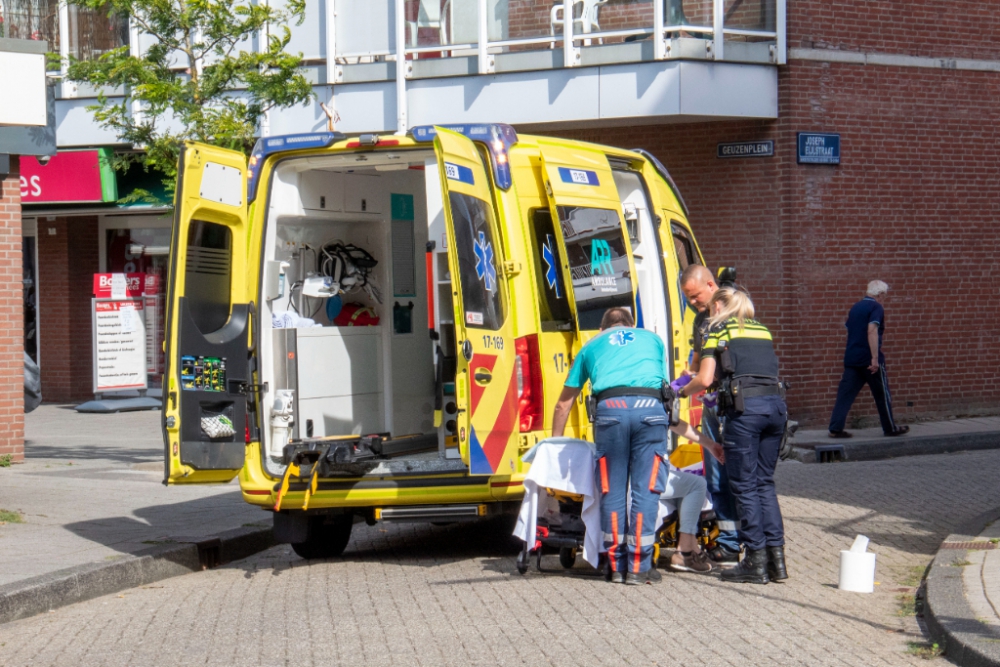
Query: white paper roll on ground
[857, 572]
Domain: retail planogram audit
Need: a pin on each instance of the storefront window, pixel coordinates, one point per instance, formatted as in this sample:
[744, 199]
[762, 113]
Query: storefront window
[145, 251]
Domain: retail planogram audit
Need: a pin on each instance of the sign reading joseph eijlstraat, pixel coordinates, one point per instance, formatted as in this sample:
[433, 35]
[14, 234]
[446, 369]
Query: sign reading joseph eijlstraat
[818, 148]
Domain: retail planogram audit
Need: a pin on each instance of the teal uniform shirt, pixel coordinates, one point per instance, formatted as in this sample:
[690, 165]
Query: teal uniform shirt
[620, 357]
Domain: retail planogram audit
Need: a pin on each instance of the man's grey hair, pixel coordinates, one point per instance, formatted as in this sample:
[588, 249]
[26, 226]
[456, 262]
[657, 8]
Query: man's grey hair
[877, 288]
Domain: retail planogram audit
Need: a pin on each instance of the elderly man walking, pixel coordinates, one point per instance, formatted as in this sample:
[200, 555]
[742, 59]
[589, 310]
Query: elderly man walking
[864, 363]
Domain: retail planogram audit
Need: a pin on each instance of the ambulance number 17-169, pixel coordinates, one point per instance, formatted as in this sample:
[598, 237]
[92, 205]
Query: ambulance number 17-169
[493, 342]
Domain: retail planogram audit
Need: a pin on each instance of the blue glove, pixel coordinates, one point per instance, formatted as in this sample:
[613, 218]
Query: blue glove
[680, 382]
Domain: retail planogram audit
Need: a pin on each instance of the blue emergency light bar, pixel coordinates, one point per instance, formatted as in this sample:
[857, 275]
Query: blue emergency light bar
[287, 142]
[498, 138]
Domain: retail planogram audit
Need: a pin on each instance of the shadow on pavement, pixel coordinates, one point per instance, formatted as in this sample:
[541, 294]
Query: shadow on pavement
[91, 453]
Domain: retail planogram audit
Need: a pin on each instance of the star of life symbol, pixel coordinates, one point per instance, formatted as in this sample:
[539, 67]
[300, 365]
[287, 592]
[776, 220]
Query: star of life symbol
[551, 277]
[484, 262]
[622, 338]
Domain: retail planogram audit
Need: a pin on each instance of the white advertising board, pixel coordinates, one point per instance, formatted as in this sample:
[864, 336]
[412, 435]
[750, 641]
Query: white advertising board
[24, 73]
[120, 355]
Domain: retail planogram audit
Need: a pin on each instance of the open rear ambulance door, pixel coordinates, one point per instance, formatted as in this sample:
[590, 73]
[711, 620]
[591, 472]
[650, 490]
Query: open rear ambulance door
[485, 383]
[591, 232]
[592, 237]
[208, 320]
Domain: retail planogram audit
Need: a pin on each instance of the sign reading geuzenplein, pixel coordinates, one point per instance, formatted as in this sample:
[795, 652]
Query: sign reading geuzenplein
[746, 149]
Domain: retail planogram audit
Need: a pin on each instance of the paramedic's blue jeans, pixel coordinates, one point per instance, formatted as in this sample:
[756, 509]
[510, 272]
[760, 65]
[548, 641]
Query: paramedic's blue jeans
[752, 441]
[718, 486]
[631, 437]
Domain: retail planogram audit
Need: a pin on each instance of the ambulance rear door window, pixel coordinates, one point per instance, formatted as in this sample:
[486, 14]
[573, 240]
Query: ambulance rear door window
[554, 306]
[598, 262]
[682, 244]
[478, 261]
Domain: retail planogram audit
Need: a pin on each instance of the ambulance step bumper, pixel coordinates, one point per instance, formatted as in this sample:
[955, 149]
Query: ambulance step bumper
[423, 513]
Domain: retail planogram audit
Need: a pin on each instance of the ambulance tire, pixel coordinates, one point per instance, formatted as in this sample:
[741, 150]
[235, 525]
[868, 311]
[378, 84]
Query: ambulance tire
[567, 557]
[325, 540]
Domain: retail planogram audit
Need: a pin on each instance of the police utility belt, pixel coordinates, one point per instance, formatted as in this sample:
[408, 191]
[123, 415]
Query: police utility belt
[666, 394]
[733, 391]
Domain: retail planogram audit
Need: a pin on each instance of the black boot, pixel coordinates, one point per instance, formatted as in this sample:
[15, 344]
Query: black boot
[751, 570]
[776, 564]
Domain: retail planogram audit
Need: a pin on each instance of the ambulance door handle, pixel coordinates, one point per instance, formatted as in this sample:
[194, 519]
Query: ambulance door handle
[482, 376]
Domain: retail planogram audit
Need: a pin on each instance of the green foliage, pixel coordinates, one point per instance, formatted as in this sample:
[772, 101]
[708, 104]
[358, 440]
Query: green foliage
[210, 72]
[6, 516]
[5, 461]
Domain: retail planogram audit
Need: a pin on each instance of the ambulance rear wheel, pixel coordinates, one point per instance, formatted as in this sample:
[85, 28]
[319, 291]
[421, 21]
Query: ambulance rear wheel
[567, 557]
[326, 540]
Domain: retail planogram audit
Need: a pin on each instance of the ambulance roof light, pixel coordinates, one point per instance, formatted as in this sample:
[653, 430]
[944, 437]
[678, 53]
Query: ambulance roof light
[288, 142]
[498, 138]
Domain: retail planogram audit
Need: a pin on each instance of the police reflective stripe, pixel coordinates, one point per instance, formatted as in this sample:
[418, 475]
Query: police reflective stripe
[727, 525]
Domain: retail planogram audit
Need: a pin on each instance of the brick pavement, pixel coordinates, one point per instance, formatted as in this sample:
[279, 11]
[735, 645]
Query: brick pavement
[426, 595]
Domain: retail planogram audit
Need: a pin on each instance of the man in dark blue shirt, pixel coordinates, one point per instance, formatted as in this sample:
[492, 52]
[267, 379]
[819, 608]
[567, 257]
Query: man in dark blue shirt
[865, 364]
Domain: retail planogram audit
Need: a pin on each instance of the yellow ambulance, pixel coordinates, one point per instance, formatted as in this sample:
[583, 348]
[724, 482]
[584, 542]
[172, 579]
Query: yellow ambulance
[379, 326]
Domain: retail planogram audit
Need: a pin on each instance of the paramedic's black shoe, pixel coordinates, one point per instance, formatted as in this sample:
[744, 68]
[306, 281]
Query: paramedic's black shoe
[650, 576]
[751, 570]
[723, 557]
[776, 570]
[900, 430]
[616, 577]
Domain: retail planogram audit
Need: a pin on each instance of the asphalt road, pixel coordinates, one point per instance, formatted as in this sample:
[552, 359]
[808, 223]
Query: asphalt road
[425, 595]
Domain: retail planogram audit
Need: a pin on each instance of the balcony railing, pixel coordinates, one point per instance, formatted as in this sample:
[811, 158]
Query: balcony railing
[69, 30]
[368, 31]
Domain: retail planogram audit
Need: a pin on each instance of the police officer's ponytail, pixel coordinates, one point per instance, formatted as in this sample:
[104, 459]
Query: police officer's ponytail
[733, 303]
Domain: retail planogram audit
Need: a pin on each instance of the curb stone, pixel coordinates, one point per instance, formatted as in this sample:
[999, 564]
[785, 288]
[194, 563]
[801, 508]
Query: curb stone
[905, 445]
[85, 582]
[950, 620]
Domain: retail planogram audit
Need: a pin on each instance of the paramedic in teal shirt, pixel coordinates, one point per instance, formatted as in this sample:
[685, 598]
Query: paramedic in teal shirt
[626, 368]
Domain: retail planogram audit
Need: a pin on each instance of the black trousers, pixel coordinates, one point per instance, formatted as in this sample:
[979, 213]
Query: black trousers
[854, 378]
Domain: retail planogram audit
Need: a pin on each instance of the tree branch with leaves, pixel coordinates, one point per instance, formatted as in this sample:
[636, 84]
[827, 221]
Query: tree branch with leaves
[208, 71]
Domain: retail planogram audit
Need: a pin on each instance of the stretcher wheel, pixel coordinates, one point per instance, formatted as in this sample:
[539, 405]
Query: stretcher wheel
[522, 561]
[567, 557]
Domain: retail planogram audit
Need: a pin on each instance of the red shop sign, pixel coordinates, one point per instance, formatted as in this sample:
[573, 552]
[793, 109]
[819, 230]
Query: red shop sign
[125, 285]
[71, 176]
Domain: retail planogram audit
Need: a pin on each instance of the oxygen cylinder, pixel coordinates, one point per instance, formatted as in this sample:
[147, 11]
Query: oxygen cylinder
[282, 413]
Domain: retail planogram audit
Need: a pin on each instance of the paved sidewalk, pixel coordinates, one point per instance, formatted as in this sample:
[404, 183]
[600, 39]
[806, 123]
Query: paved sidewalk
[963, 593]
[90, 491]
[869, 444]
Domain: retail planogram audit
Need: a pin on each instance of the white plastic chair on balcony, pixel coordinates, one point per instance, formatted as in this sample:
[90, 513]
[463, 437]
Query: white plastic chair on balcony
[431, 14]
[585, 19]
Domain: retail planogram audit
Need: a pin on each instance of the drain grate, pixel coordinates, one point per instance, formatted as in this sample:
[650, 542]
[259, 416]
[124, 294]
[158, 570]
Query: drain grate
[970, 546]
[830, 453]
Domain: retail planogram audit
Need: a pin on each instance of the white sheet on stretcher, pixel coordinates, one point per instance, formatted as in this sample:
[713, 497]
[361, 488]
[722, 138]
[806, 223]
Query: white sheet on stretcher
[562, 464]
[567, 464]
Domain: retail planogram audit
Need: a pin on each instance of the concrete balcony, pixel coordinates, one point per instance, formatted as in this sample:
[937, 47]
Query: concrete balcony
[616, 62]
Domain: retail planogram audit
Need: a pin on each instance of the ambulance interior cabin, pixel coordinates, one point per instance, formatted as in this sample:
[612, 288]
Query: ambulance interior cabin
[344, 347]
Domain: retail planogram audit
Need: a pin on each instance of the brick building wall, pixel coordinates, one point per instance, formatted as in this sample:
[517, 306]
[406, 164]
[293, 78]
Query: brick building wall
[12, 316]
[915, 202]
[68, 256]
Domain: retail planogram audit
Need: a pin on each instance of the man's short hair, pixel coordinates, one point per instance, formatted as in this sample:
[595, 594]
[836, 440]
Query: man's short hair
[617, 317]
[877, 288]
[696, 272]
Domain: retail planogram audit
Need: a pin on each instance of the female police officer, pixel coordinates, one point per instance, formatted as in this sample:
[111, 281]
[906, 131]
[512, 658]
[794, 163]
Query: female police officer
[739, 353]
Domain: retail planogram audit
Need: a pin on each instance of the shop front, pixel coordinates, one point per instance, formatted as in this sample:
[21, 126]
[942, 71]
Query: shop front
[76, 227]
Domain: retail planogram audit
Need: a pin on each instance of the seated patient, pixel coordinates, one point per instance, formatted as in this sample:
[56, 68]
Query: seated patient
[690, 490]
